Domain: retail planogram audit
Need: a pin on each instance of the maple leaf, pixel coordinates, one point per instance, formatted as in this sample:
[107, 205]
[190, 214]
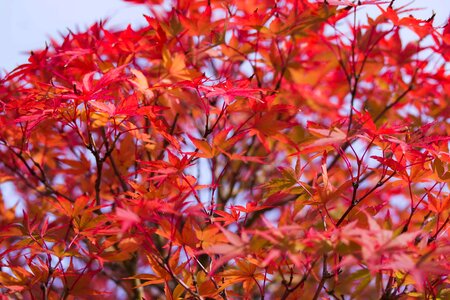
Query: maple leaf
[127, 218]
[323, 138]
[227, 218]
[230, 90]
[199, 24]
[244, 272]
[141, 83]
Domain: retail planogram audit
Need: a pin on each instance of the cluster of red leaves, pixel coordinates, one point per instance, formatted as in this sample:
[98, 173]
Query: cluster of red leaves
[230, 149]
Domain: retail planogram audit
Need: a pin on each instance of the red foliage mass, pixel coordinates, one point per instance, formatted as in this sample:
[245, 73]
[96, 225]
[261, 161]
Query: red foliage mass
[230, 149]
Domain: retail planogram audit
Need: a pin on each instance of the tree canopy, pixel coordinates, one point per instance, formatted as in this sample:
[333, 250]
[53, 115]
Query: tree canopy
[231, 149]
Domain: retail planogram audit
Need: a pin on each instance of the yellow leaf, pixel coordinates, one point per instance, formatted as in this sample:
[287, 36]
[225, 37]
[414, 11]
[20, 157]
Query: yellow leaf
[176, 66]
[141, 83]
[149, 279]
[129, 244]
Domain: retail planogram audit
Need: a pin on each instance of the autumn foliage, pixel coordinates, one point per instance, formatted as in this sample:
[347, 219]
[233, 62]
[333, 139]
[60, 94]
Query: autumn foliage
[230, 150]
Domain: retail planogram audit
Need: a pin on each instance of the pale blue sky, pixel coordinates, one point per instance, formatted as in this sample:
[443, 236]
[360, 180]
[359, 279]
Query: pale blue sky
[27, 24]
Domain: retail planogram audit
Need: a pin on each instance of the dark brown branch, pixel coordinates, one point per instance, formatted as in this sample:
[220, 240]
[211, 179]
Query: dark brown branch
[356, 202]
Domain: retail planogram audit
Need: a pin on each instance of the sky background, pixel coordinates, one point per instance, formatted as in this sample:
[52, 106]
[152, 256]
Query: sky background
[28, 24]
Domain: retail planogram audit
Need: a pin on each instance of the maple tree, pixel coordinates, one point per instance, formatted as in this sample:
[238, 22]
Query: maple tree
[231, 149]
